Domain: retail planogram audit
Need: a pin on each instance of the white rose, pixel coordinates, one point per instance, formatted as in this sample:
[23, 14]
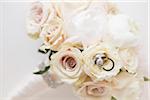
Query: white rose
[101, 61]
[69, 9]
[123, 30]
[53, 33]
[126, 86]
[129, 57]
[67, 63]
[88, 24]
[39, 14]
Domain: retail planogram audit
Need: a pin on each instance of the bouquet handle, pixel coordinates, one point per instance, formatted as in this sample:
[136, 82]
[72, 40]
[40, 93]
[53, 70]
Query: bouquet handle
[34, 85]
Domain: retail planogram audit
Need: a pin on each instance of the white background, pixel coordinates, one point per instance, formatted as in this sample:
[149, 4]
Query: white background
[19, 56]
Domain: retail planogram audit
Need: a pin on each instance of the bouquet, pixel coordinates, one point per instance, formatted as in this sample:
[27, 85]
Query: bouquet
[91, 46]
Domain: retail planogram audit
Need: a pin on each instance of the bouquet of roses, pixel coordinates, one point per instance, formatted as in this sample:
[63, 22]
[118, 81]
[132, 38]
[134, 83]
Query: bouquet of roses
[90, 45]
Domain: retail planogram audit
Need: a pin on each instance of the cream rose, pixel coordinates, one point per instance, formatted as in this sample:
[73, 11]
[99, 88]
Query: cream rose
[95, 91]
[53, 33]
[101, 61]
[39, 14]
[124, 86]
[123, 30]
[67, 63]
[130, 59]
[74, 41]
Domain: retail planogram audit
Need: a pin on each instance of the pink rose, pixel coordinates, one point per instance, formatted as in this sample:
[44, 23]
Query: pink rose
[67, 64]
[38, 15]
[95, 91]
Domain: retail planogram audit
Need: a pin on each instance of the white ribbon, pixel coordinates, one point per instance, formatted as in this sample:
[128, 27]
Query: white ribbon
[33, 86]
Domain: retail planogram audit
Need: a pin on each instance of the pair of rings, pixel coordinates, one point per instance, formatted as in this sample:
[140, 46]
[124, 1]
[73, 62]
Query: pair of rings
[104, 59]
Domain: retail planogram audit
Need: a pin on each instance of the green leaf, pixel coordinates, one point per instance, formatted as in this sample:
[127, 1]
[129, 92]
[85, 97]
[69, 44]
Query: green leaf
[146, 78]
[44, 51]
[120, 71]
[51, 53]
[42, 71]
[113, 98]
[81, 50]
